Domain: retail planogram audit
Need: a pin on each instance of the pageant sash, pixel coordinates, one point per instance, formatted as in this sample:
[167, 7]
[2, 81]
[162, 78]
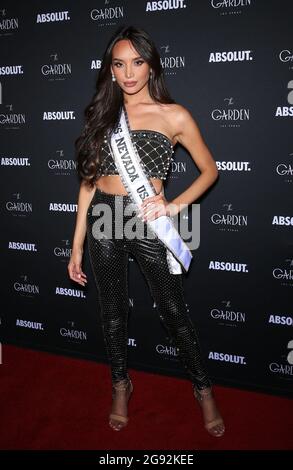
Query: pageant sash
[139, 187]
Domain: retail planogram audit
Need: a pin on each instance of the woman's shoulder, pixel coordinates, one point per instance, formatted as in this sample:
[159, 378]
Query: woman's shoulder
[176, 111]
[177, 114]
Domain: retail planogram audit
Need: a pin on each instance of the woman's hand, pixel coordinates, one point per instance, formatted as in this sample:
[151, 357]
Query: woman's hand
[74, 267]
[154, 207]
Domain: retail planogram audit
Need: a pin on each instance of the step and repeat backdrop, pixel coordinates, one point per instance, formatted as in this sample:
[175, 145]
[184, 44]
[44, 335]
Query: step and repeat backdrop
[230, 63]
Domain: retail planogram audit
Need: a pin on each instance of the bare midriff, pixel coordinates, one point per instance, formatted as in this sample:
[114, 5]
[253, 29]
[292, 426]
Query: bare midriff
[112, 184]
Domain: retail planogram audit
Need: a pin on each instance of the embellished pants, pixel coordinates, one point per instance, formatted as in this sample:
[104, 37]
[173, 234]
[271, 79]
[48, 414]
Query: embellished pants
[109, 247]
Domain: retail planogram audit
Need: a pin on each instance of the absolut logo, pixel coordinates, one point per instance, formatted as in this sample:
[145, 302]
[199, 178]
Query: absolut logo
[281, 320]
[15, 161]
[286, 111]
[58, 116]
[281, 369]
[167, 350]
[131, 342]
[53, 17]
[233, 166]
[227, 315]
[228, 266]
[228, 219]
[19, 207]
[96, 64]
[225, 357]
[63, 251]
[11, 70]
[231, 115]
[230, 3]
[73, 334]
[62, 207]
[25, 288]
[70, 292]
[29, 324]
[56, 69]
[105, 14]
[7, 24]
[230, 56]
[22, 246]
[165, 5]
[282, 220]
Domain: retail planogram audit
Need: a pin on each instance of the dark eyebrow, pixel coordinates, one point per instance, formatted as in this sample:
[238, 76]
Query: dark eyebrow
[116, 58]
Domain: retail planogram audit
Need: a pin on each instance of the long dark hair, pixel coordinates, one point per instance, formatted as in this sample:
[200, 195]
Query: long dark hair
[102, 113]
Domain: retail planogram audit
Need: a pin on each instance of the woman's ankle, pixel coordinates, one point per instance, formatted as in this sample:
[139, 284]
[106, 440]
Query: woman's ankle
[202, 393]
[122, 384]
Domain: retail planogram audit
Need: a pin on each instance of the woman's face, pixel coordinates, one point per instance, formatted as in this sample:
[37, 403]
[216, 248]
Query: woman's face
[130, 69]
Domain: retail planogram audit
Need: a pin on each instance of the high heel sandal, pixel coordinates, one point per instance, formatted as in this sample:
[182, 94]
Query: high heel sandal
[122, 420]
[216, 426]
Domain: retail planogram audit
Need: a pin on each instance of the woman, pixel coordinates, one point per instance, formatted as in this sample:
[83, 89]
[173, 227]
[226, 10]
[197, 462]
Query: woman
[131, 78]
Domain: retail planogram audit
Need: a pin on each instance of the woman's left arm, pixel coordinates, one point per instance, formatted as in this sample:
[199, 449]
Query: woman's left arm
[188, 135]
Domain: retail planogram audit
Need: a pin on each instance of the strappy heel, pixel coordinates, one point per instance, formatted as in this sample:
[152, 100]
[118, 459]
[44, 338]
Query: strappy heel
[216, 426]
[121, 420]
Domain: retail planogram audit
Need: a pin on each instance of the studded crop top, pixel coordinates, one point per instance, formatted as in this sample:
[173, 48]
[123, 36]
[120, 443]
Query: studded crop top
[155, 151]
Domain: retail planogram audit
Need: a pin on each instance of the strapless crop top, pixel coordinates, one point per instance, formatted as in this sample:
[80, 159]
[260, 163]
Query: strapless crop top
[155, 151]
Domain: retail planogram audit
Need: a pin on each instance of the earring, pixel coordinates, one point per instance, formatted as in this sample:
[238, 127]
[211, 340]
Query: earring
[113, 78]
[151, 74]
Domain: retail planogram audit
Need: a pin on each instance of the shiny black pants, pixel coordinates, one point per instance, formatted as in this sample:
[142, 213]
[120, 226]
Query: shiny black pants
[109, 261]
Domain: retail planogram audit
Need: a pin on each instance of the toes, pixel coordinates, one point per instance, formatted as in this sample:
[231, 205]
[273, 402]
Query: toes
[115, 425]
[218, 430]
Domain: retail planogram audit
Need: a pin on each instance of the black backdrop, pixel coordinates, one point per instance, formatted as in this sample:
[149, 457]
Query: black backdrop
[230, 63]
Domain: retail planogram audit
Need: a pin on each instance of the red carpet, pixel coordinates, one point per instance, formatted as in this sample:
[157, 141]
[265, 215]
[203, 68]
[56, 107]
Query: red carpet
[54, 402]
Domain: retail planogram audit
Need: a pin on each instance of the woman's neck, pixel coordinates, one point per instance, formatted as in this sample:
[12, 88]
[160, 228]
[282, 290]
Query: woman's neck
[142, 97]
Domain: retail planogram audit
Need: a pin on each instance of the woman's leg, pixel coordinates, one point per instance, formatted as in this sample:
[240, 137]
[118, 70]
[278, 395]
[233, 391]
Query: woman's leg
[109, 263]
[167, 291]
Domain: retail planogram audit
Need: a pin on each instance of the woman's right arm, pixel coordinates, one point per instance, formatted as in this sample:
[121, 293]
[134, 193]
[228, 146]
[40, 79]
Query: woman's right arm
[74, 267]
